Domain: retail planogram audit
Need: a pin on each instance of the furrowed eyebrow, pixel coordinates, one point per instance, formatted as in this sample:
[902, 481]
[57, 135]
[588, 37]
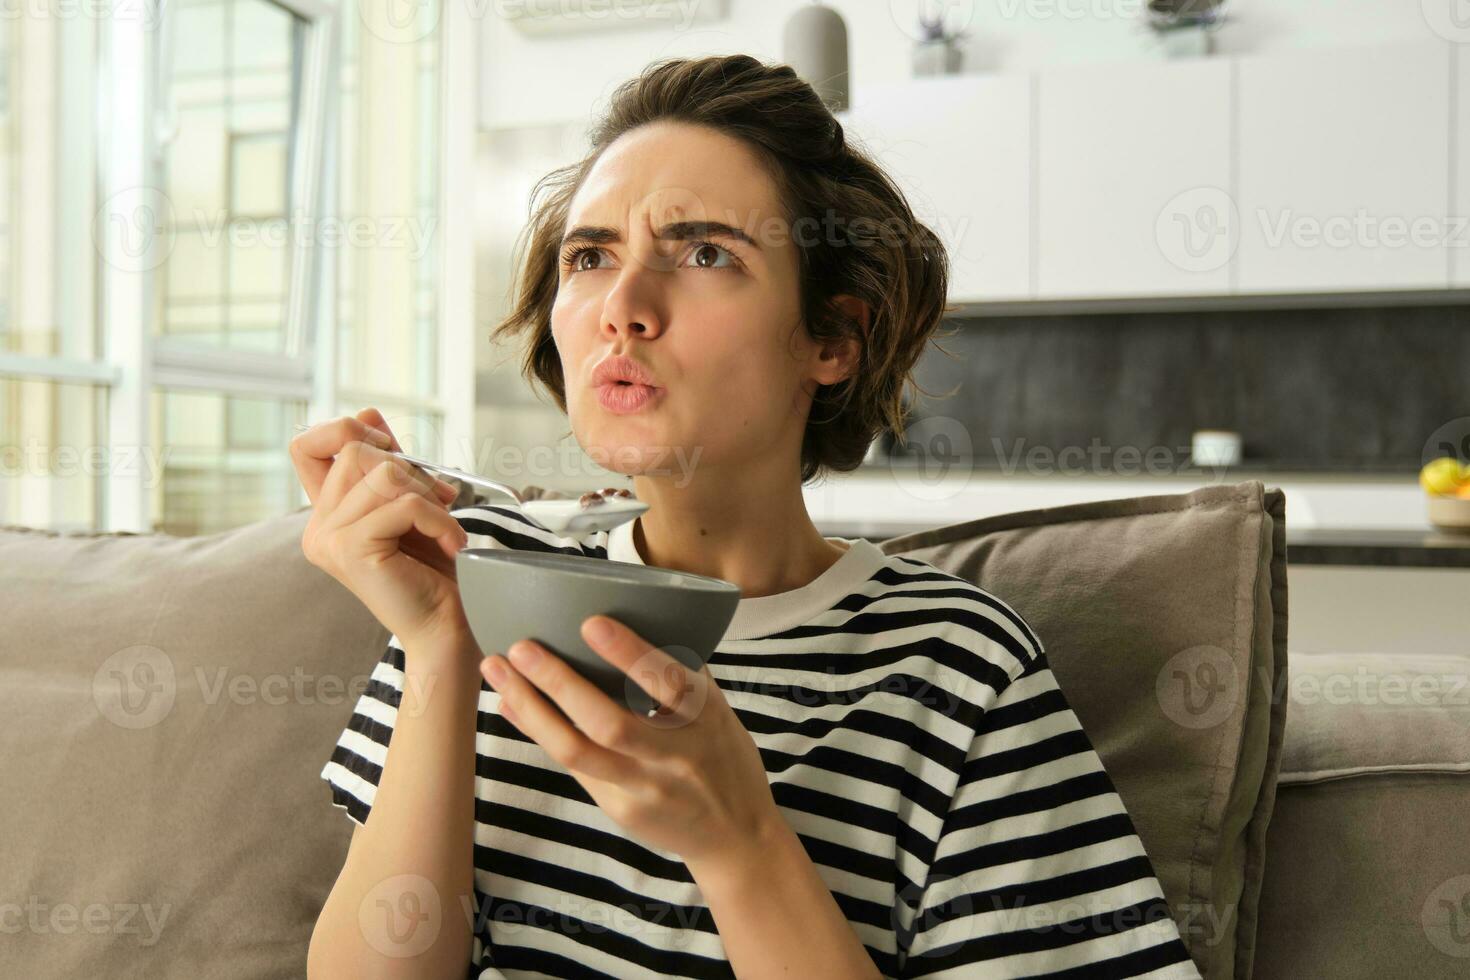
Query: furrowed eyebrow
[677, 231]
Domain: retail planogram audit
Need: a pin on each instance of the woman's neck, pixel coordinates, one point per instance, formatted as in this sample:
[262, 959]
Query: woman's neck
[765, 546]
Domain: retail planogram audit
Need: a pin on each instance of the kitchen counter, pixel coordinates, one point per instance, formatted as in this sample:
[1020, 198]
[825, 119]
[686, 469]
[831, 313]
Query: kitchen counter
[903, 499]
[1304, 546]
[1138, 466]
[1408, 549]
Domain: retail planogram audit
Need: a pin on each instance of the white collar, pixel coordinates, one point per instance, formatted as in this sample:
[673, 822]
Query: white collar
[763, 615]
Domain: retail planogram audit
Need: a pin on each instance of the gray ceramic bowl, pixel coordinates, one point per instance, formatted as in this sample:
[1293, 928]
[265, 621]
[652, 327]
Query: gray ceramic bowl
[515, 595]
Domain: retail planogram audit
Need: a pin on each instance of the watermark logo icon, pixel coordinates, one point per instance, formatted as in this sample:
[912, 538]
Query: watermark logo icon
[418, 434]
[134, 229]
[943, 916]
[135, 687]
[938, 458]
[1198, 230]
[1450, 19]
[667, 668]
[951, 16]
[400, 21]
[1446, 917]
[1451, 439]
[1198, 687]
[401, 916]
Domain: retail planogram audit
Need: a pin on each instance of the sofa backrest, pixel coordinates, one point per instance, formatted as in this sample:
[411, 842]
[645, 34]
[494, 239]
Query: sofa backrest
[1368, 854]
[1164, 620]
[168, 705]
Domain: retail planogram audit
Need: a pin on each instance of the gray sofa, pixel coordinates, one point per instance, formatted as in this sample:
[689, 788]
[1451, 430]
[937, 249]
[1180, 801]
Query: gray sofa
[169, 703]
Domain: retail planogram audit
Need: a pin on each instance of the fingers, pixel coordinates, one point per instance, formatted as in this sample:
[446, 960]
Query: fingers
[382, 485]
[407, 512]
[609, 733]
[312, 451]
[374, 418]
[679, 691]
[352, 465]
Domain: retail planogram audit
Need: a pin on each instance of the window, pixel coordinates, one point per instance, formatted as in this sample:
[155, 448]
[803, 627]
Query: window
[232, 92]
[387, 194]
[223, 461]
[234, 276]
[53, 388]
[212, 229]
[52, 456]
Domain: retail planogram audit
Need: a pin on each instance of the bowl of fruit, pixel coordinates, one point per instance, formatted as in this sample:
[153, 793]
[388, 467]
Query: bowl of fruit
[1447, 482]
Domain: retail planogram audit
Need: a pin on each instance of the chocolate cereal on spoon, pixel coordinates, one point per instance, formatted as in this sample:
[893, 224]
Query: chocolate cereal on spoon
[595, 510]
[594, 497]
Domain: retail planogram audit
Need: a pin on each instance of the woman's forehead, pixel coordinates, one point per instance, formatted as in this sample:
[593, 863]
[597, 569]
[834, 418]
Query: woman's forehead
[656, 175]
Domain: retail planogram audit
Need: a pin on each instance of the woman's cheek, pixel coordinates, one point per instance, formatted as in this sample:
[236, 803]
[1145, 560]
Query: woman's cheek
[564, 306]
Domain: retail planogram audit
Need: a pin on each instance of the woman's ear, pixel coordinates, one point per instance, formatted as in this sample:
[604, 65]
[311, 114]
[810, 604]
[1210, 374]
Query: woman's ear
[839, 358]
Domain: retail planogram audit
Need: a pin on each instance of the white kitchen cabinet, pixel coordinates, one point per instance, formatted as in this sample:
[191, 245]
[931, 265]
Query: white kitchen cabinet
[1311, 170]
[1344, 168]
[1133, 176]
[1459, 239]
[959, 148]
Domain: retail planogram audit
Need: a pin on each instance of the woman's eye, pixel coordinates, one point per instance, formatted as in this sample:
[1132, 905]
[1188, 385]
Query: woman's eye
[579, 263]
[706, 254]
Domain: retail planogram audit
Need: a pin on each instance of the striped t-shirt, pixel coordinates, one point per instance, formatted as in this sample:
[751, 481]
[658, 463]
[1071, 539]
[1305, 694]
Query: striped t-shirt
[916, 742]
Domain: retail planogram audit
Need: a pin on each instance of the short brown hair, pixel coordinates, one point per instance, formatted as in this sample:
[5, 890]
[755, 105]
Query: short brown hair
[901, 269]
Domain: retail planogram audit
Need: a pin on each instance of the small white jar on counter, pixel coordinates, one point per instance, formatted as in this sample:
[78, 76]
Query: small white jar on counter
[1215, 447]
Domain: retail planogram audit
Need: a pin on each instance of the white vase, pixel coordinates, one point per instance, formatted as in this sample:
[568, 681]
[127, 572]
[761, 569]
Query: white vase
[937, 58]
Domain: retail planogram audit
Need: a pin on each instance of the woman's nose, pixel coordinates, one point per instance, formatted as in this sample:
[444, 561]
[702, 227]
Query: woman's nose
[633, 327]
[635, 303]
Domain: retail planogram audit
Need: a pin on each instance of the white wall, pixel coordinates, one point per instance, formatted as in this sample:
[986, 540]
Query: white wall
[513, 428]
[537, 95]
[534, 80]
[1345, 609]
[904, 494]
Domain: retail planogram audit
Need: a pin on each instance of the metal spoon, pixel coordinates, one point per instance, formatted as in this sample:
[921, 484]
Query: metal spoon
[563, 516]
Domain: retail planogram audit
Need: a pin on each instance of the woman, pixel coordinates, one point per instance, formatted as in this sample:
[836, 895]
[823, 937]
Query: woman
[874, 775]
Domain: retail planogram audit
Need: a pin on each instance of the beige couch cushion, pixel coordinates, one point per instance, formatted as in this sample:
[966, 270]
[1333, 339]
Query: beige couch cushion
[1352, 714]
[1369, 859]
[168, 701]
[167, 705]
[1164, 619]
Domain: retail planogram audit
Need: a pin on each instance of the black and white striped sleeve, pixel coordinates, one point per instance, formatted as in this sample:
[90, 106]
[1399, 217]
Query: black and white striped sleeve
[356, 763]
[1038, 870]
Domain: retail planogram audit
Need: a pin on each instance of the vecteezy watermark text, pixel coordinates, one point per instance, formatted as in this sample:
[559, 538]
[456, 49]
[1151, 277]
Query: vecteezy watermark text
[1096, 457]
[39, 458]
[40, 917]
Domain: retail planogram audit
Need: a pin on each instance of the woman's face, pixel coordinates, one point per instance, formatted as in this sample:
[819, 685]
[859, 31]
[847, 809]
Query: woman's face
[646, 272]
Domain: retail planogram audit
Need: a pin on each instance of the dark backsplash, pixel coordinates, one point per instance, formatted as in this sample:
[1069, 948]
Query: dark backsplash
[1348, 389]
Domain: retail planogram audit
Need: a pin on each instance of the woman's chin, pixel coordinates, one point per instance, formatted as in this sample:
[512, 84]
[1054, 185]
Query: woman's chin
[628, 459]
